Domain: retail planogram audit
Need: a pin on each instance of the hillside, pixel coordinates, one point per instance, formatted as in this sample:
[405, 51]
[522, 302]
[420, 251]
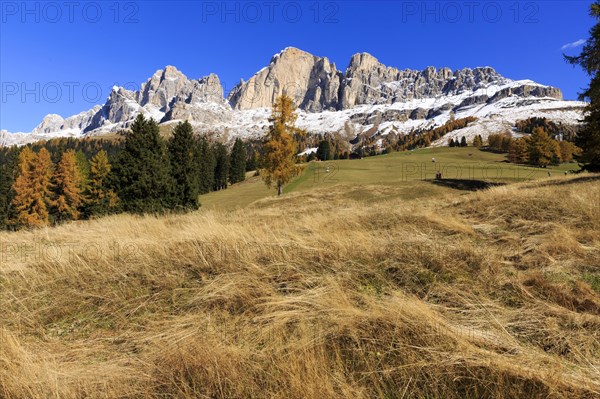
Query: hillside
[321, 293]
[401, 175]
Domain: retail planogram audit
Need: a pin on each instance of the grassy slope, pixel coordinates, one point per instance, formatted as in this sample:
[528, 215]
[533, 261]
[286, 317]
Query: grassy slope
[402, 174]
[332, 291]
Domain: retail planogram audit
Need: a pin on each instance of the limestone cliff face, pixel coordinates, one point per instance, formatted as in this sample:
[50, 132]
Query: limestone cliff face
[312, 81]
[167, 95]
[316, 85]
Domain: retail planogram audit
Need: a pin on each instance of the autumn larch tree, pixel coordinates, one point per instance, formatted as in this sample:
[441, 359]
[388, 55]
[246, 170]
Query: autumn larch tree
[33, 189]
[84, 170]
[67, 183]
[279, 161]
[101, 199]
[518, 151]
[541, 148]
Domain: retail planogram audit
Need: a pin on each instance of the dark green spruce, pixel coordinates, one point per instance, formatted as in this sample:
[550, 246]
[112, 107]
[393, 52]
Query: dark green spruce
[237, 172]
[221, 167]
[184, 168]
[205, 159]
[142, 177]
[588, 137]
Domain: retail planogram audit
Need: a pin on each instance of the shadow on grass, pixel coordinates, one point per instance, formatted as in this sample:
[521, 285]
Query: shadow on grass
[581, 179]
[465, 184]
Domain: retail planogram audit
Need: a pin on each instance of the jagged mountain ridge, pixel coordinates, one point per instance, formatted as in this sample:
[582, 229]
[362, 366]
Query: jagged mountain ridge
[366, 94]
[318, 86]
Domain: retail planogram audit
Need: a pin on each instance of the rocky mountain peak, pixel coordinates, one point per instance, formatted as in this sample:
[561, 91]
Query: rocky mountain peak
[312, 81]
[162, 87]
[51, 122]
[362, 61]
[171, 73]
[315, 84]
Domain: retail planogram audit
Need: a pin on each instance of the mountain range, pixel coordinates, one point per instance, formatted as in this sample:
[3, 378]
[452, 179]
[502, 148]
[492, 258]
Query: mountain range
[366, 97]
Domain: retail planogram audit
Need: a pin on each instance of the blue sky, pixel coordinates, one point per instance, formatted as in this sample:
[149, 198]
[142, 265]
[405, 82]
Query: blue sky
[63, 57]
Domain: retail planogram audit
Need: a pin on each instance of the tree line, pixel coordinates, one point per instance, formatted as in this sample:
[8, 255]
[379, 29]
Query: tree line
[49, 183]
[420, 138]
[538, 148]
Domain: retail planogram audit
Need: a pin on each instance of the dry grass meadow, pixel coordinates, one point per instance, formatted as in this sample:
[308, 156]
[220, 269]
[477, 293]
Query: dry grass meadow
[492, 294]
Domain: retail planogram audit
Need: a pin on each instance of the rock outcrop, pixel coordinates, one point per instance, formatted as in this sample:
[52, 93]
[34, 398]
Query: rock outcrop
[167, 95]
[317, 86]
[312, 81]
[367, 94]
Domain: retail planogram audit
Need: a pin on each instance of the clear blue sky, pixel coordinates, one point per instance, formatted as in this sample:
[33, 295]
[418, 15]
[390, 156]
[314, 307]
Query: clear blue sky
[64, 52]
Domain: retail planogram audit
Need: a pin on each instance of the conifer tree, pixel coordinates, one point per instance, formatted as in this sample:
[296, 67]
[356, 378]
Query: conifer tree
[541, 147]
[221, 166]
[8, 173]
[451, 143]
[67, 181]
[588, 137]
[279, 160]
[101, 199]
[84, 169]
[33, 189]
[478, 141]
[252, 163]
[463, 141]
[205, 158]
[323, 150]
[184, 168]
[518, 151]
[568, 150]
[238, 162]
[142, 175]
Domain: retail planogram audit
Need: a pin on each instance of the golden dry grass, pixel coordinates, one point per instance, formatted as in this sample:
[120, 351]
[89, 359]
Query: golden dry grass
[485, 295]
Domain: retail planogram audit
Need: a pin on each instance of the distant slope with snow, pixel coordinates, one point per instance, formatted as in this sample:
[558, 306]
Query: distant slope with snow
[367, 96]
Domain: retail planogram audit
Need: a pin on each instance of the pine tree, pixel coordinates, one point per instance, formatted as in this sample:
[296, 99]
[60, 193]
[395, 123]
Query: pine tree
[252, 161]
[541, 147]
[8, 173]
[238, 162]
[323, 150]
[205, 158]
[280, 149]
[477, 141]
[141, 172]
[33, 189]
[463, 141]
[588, 137]
[101, 199]
[67, 180]
[221, 167]
[184, 168]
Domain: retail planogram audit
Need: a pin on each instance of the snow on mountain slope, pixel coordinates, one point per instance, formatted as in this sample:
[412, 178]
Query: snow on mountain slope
[367, 96]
